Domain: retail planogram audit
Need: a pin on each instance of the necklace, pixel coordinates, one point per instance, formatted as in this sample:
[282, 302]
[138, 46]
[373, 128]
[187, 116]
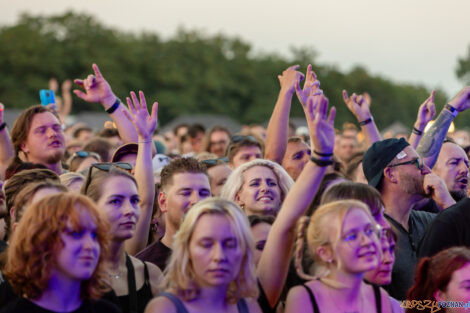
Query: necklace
[115, 276]
[337, 304]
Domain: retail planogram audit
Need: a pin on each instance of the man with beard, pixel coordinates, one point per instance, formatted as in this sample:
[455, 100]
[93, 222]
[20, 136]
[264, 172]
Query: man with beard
[184, 182]
[450, 227]
[38, 137]
[397, 171]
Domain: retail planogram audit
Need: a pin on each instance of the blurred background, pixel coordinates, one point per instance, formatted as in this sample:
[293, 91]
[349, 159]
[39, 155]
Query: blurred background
[223, 57]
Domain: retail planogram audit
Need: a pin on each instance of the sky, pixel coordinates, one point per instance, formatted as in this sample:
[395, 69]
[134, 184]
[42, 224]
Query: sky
[409, 41]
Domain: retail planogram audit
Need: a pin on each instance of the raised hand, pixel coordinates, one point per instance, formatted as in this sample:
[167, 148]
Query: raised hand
[97, 89]
[2, 108]
[426, 112]
[289, 78]
[311, 86]
[138, 115]
[358, 105]
[461, 101]
[320, 125]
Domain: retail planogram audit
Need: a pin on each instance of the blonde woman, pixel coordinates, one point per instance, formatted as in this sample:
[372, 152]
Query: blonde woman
[343, 239]
[211, 268]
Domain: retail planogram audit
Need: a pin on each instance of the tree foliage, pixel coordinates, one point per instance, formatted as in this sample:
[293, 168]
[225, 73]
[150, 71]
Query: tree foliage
[190, 73]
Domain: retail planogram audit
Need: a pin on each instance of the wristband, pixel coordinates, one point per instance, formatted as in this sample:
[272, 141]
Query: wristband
[365, 122]
[417, 131]
[323, 154]
[2, 126]
[114, 107]
[321, 163]
[451, 109]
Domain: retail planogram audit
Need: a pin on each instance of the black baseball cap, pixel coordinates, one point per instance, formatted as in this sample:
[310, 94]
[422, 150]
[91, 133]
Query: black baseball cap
[378, 156]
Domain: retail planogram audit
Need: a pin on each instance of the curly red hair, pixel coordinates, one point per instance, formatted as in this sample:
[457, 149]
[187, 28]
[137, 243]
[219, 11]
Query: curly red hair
[36, 243]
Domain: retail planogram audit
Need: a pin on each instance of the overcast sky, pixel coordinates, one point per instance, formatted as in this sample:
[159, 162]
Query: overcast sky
[415, 41]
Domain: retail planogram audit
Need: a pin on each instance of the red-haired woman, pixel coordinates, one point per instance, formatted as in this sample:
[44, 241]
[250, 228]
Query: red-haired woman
[443, 277]
[55, 258]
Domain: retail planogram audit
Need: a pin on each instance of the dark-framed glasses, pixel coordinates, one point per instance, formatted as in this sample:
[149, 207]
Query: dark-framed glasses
[418, 162]
[105, 166]
[238, 138]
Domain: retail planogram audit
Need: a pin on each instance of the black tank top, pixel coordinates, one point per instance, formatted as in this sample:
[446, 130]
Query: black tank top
[378, 299]
[136, 300]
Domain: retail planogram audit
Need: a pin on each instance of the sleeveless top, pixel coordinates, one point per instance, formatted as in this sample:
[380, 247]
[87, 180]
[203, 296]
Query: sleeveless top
[136, 300]
[180, 308]
[378, 300]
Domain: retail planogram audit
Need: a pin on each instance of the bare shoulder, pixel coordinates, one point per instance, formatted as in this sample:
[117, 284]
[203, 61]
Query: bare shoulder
[155, 277]
[160, 305]
[253, 306]
[298, 300]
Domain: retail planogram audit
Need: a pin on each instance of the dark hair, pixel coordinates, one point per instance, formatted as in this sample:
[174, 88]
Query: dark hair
[181, 165]
[22, 125]
[207, 139]
[18, 182]
[100, 146]
[244, 141]
[108, 132]
[96, 179]
[434, 273]
[357, 191]
[14, 168]
[258, 219]
[195, 129]
[77, 131]
[353, 163]
[326, 181]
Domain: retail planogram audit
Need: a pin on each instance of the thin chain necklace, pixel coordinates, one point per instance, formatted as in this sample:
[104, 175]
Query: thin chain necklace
[340, 309]
[115, 276]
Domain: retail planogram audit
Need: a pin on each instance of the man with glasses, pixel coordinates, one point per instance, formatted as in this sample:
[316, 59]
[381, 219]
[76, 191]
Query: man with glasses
[397, 171]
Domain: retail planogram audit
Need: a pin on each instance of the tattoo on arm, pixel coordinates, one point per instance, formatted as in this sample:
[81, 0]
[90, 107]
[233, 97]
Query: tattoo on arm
[431, 143]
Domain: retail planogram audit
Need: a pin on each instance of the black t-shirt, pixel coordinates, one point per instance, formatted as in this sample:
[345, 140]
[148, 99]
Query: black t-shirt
[22, 305]
[450, 228]
[157, 253]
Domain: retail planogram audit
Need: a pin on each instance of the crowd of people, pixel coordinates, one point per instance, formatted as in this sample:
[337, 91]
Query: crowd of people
[130, 219]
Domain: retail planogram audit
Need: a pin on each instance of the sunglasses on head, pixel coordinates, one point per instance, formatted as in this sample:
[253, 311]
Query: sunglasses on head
[84, 154]
[214, 161]
[238, 138]
[105, 166]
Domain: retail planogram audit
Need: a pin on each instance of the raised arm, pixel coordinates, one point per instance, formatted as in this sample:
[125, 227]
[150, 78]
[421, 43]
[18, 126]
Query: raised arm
[66, 100]
[360, 107]
[426, 113]
[276, 133]
[144, 125]
[98, 90]
[431, 143]
[6, 147]
[274, 263]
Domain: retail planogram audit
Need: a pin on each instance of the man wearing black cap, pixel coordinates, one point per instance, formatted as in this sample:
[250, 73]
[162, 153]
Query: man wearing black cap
[397, 171]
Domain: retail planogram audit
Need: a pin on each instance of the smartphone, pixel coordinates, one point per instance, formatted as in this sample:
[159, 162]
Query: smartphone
[47, 96]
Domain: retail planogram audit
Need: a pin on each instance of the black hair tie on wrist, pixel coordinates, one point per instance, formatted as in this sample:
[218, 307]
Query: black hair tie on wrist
[114, 107]
[321, 163]
[323, 154]
[367, 121]
[417, 131]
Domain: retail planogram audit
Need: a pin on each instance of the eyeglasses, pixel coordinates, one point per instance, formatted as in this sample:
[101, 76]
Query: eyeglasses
[370, 231]
[84, 154]
[417, 161]
[238, 138]
[215, 161]
[105, 166]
